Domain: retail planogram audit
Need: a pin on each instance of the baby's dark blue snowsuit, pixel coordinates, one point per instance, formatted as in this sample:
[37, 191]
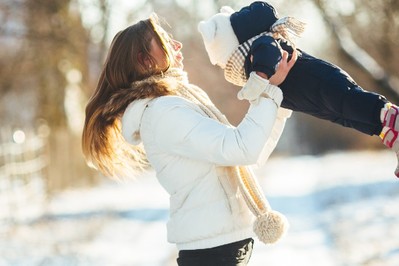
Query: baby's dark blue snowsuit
[313, 86]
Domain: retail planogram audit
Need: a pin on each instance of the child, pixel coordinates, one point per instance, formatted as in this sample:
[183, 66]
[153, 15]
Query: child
[253, 38]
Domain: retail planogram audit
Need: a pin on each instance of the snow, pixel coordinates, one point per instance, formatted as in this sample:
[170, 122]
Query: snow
[341, 208]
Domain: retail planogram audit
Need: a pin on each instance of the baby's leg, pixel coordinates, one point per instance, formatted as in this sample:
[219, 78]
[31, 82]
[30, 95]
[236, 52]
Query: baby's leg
[372, 114]
[351, 105]
[324, 90]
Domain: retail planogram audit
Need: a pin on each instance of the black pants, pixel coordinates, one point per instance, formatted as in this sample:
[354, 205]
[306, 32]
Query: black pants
[323, 90]
[233, 254]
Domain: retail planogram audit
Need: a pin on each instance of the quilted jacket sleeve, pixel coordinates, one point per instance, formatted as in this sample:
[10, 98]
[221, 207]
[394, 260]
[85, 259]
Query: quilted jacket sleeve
[186, 132]
[278, 127]
[182, 129]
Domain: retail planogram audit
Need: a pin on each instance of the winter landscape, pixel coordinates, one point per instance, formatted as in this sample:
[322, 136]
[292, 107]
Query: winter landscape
[342, 209]
[342, 206]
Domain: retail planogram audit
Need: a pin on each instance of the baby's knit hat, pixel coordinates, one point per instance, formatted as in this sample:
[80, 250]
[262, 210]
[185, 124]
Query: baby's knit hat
[224, 32]
[218, 36]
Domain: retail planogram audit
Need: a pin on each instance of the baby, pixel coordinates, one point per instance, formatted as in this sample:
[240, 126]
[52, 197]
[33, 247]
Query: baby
[253, 38]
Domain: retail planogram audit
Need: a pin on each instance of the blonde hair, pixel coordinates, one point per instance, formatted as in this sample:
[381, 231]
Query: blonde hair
[102, 143]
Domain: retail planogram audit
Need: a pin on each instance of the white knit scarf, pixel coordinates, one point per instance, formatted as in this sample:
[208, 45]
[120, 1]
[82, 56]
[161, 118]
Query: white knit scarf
[269, 225]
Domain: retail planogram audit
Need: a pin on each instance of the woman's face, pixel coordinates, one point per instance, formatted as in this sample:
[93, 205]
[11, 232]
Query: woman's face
[174, 48]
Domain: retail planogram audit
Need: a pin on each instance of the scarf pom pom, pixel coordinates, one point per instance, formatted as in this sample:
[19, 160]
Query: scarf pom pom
[270, 227]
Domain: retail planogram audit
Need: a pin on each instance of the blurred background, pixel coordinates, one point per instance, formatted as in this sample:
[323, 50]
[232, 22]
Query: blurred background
[54, 210]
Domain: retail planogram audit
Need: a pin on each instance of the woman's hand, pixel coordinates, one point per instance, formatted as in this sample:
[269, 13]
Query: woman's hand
[283, 69]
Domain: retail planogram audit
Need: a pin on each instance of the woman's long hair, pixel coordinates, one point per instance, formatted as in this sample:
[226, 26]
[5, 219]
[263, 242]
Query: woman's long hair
[102, 143]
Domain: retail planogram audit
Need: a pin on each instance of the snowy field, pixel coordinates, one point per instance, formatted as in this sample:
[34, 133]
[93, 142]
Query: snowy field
[343, 211]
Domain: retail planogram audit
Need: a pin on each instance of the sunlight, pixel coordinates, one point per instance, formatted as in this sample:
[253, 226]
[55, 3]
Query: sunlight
[19, 136]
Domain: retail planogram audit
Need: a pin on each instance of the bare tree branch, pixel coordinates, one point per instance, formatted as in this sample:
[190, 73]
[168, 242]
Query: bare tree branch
[356, 53]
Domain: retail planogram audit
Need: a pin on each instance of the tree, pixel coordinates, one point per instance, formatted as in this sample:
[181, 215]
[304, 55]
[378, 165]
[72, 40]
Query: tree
[365, 57]
[377, 56]
[45, 44]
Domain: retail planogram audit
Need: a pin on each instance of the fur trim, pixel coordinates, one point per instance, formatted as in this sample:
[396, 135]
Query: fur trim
[219, 38]
[149, 88]
[133, 101]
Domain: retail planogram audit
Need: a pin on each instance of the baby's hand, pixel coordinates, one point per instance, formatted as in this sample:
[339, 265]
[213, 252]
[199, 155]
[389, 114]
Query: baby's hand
[283, 68]
[265, 55]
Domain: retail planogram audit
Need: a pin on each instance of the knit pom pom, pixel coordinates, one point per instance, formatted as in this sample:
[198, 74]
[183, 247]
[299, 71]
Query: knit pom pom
[270, 227]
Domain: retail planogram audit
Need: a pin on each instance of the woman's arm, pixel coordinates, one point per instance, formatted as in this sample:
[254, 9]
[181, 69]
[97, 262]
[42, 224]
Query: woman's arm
[271, 143]
[282, 114]
[182, 129]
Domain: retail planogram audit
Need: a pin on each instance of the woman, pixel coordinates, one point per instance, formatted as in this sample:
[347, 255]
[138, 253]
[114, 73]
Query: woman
[145, 110]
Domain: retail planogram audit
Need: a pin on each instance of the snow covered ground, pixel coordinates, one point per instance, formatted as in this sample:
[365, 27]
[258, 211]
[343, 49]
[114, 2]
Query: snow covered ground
[342, 210]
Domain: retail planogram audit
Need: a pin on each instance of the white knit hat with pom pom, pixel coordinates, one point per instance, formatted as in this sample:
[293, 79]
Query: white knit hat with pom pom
[219, 38]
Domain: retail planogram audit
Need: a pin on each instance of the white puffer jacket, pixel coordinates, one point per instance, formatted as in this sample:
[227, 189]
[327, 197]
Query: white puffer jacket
[188, 151]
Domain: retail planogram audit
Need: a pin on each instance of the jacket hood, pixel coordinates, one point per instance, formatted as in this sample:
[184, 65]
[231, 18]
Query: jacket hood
[131, 121]
[141, 93]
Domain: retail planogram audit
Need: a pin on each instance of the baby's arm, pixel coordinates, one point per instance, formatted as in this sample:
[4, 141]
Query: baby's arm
[266, 55]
